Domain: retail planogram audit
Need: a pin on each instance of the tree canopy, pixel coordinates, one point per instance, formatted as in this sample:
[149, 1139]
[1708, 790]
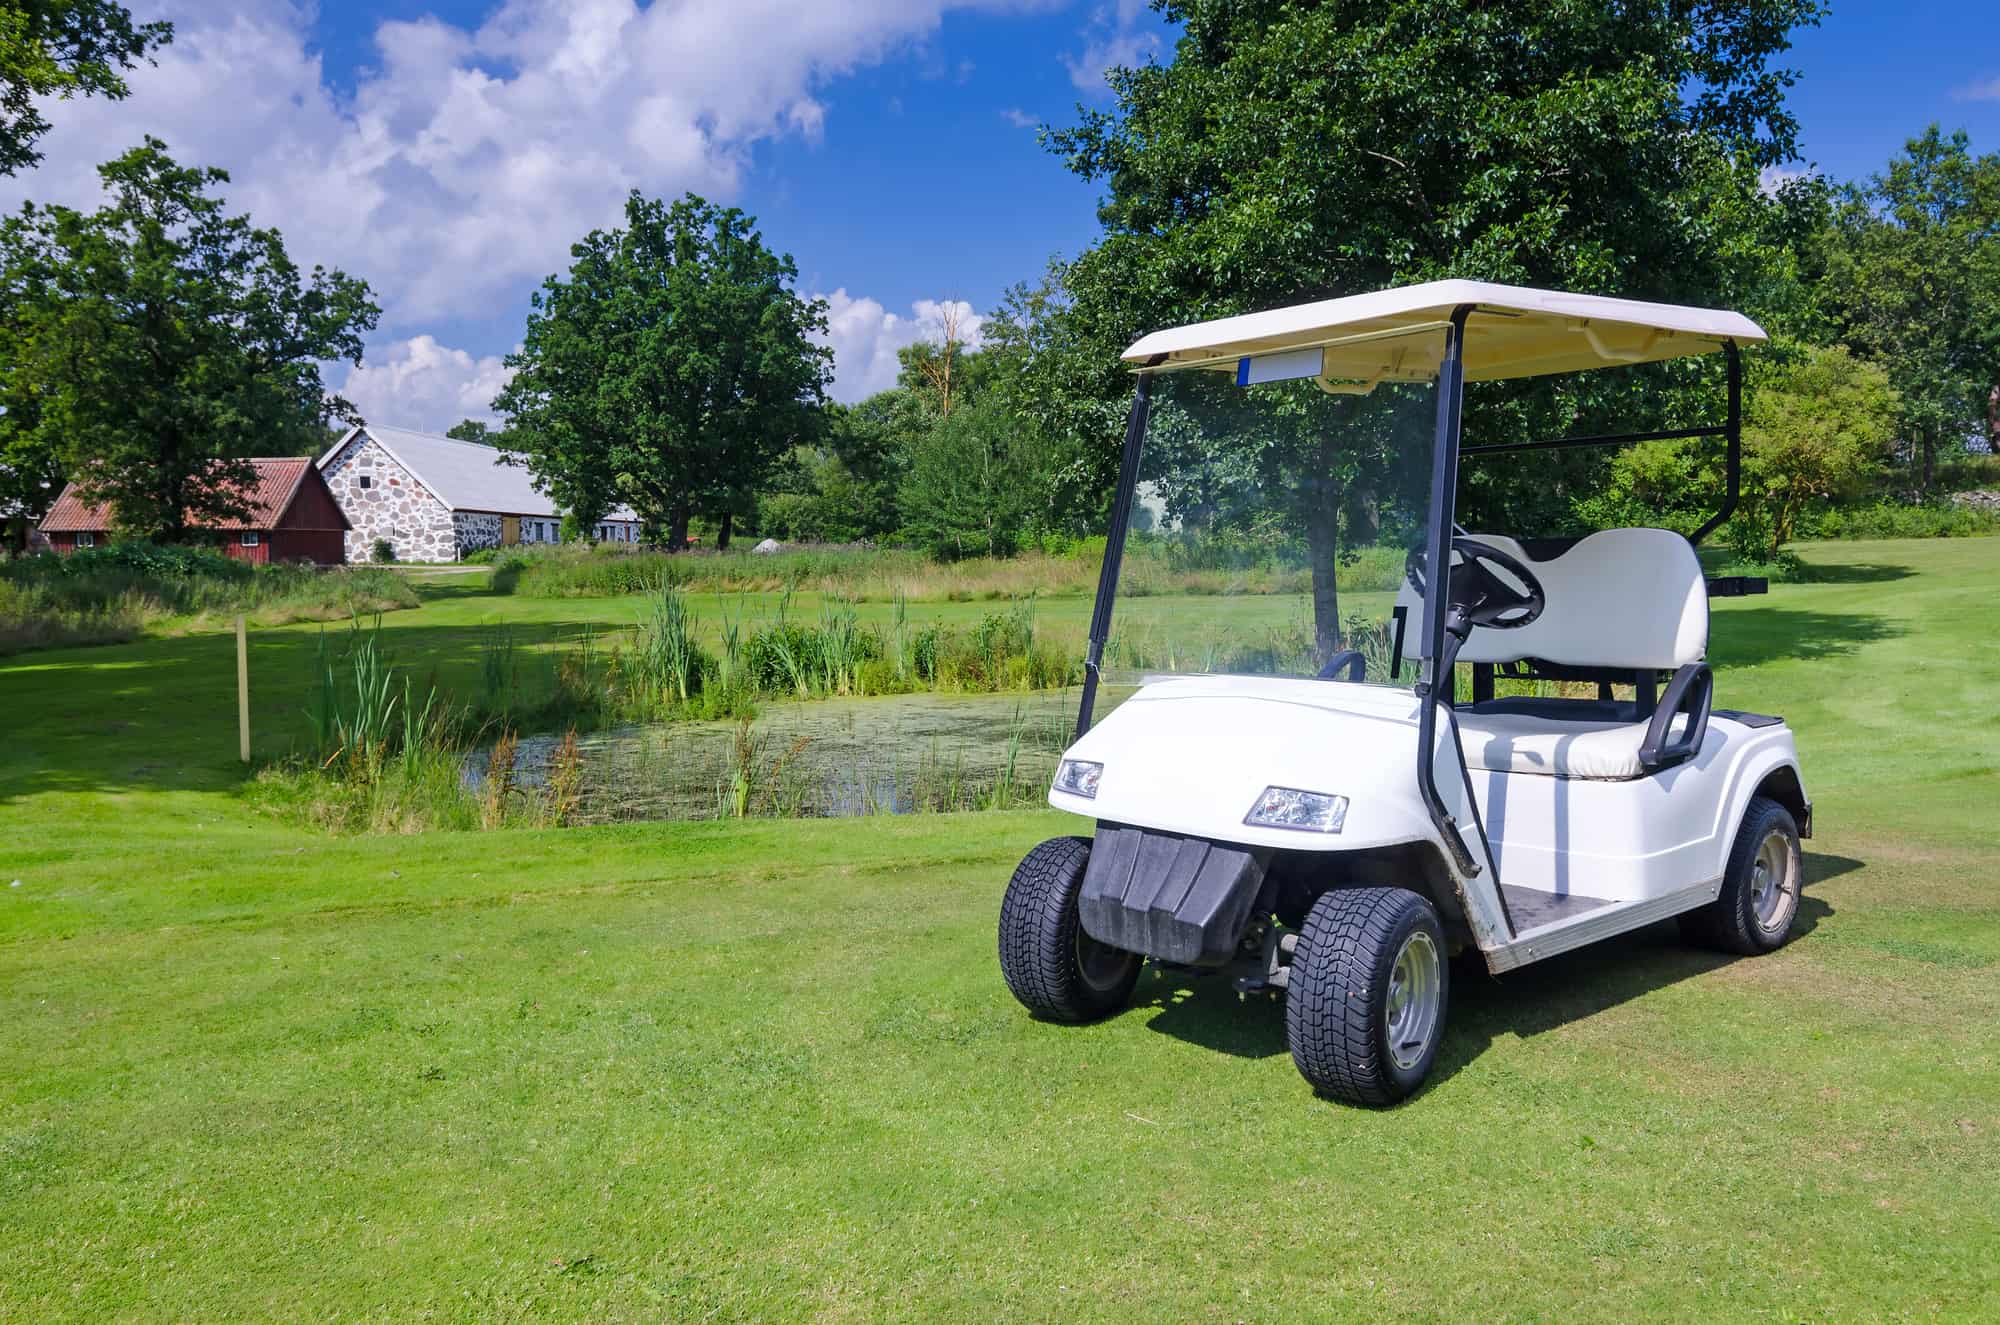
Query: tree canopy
[671, 368]
[62, 48]
[1295, 151]
[148, 346]
[1913, 282]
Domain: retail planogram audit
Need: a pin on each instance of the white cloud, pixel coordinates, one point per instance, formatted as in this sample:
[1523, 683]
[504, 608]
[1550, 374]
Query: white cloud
[1019, 118]
[1771, 179]
[468, 159]
[1120, 35]
[865, 337]
[418, 383]
[1985, 89]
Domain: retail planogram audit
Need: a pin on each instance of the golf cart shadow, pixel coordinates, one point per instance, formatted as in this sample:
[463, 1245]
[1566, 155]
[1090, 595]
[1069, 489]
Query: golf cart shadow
[1206, 1011]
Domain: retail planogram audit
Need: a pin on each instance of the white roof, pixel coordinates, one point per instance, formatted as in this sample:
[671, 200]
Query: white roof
[466, 476]
[1391, 335]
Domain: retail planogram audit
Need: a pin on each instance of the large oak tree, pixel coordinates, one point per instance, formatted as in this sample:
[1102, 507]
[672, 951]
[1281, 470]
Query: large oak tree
[62, 48]
[670, 369]
[148, 346]
[1295, 150]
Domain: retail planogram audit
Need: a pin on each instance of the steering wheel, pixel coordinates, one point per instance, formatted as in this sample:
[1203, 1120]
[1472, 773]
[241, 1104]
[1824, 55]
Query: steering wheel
[1484, 598]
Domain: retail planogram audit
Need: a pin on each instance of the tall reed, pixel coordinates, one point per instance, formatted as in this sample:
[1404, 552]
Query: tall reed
[669, 656]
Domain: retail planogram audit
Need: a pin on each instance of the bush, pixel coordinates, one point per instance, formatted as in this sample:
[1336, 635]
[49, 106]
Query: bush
[970, 484]
[380, 552]
[1895, 520]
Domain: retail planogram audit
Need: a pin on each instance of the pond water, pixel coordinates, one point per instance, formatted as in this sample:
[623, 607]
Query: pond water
[825, 758]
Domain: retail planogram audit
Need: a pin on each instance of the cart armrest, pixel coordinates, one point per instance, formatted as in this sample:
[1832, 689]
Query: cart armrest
[1347, 660]
[1691, 692]
[1737, 586]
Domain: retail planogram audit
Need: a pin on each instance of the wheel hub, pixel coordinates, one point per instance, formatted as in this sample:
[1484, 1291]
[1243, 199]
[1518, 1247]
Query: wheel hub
[1774, 885]
[1415, 982]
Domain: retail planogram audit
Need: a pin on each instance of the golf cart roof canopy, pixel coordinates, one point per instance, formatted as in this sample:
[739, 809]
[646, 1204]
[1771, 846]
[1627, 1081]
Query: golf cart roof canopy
[1351, 344]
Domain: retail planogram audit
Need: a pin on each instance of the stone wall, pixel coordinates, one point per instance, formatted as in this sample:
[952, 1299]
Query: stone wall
[476, 529]
[393, 505]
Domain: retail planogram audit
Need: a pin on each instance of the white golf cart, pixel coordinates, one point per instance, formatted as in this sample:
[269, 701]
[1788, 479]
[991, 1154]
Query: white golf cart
[1330, 809]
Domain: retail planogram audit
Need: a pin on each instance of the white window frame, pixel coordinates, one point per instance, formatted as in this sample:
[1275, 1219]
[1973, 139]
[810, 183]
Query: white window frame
[86, 538]
[249, 538]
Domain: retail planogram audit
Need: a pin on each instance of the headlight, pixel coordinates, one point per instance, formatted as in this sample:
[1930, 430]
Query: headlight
[1306, 811]
[1079, 778]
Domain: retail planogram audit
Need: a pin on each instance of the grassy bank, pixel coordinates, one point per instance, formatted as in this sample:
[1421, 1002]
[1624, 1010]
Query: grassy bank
[888, 574]
[768, 1070]
[112, 594]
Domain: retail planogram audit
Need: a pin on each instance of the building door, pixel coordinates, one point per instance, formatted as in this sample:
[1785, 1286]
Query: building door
[510, 530]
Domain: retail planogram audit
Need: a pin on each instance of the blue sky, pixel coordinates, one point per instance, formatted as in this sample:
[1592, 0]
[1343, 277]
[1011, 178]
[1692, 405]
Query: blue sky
[449, 151]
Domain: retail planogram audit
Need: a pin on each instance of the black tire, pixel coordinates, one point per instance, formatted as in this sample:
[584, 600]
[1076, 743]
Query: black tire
[1746, 917]
[1337, 997]
[1055, 969]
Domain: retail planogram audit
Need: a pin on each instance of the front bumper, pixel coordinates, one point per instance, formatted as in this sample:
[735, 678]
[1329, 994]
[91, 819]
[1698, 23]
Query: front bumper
[1178, 898]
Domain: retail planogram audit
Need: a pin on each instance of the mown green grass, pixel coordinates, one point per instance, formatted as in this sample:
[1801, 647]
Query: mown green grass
[768, 1070]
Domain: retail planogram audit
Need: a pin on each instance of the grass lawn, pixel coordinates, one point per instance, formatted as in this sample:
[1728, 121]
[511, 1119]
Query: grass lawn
[768, 1070]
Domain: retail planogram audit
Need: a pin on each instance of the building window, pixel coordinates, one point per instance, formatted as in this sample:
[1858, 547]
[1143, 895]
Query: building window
[367, 481]
[86, 539]
[249, 538]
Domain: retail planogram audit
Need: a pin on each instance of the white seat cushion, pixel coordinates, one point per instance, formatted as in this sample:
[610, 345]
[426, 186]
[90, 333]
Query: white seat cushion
[1620, 598]
[1568, 748]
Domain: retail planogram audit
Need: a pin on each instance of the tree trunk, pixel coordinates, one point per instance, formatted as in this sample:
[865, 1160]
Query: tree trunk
[724, 527]
[1323, 547]
[677, 529]
[1929, 444]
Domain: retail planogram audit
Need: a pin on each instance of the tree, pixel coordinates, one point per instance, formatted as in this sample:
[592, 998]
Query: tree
[1303, 150]
[62, 48]
[472, 430]
[932, 362]
[671, 368]
[1914, 283]
[152, 344]
[1818, 426]
[964, 495]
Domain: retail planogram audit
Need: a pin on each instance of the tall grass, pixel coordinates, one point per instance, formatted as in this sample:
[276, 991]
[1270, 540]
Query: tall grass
[111, 594]
[382, 756]
[1152, 566]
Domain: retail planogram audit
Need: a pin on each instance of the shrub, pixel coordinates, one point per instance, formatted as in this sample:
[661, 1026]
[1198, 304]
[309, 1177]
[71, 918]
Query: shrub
[1895, 520]
[380, 552]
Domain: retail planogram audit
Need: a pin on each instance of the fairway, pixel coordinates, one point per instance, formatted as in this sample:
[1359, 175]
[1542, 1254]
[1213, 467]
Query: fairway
[769, 1071]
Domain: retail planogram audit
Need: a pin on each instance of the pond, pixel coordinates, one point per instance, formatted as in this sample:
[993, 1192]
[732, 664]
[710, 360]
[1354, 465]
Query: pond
[812, 759]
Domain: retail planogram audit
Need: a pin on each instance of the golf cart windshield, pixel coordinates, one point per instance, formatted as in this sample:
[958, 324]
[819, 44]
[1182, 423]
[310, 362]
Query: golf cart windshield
[1274, 507]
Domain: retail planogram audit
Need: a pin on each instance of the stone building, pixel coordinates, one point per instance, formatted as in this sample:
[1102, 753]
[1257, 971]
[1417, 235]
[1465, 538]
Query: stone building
[435, 499]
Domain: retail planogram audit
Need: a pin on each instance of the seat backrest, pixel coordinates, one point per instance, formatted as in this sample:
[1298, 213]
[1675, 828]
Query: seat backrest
[1621, 598]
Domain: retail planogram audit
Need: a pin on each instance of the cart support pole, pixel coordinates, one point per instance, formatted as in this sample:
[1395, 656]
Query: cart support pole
[1435, 685]
[1733, 464]
[1114, 549]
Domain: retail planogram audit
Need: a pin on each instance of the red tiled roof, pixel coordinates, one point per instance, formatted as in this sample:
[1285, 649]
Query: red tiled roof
[277, 482]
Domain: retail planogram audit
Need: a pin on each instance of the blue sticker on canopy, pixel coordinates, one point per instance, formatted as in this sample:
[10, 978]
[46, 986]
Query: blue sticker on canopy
[1255, 369]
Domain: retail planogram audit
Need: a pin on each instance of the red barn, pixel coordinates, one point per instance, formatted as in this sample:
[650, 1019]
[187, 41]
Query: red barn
[292, 517]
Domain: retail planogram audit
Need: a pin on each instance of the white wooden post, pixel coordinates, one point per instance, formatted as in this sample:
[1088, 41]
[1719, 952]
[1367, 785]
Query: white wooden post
[243, 687]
